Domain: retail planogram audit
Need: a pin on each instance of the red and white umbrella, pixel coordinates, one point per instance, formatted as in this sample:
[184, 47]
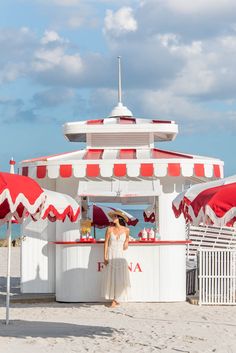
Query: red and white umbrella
[100, 218]
[208, 203]
[149, 214]
[22, 196]
[19, 196]
[58, 206]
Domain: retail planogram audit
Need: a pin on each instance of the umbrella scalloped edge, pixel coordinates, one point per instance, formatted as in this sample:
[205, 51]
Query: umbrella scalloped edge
[207, 216]
[53, 214]
[21, 200]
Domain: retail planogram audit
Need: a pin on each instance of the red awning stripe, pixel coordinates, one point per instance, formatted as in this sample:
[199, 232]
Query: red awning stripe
[127, 154]
[199, 170]
[120, 170]
[161, 121]
[160, 154]
[94, 170]
[66, 170]
[95, 122]
[174, 169]
[127, 120]
[94, 154]
[41, 171]
[146, 169]
[25, 171]
[216, 169]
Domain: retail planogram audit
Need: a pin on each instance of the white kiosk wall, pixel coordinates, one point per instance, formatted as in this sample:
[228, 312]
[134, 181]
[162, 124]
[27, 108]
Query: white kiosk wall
[38, 257]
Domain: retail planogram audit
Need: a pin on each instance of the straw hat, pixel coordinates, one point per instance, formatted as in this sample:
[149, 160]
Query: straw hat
[119, 214]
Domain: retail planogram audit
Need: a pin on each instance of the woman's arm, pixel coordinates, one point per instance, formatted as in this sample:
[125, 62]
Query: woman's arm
[107, 237]
[126, 243]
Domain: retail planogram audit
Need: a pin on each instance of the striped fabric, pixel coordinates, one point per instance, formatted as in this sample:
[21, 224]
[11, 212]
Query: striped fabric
[94, 163]
[126, 120]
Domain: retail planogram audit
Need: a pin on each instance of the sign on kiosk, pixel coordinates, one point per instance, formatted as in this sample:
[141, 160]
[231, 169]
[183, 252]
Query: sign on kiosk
[133, 267]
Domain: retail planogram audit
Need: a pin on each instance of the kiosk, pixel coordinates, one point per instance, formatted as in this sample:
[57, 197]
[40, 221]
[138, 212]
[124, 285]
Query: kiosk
[120, 164]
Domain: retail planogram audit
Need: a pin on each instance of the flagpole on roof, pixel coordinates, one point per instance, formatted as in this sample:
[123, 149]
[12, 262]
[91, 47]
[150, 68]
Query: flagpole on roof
[119, 81]
[120, 110]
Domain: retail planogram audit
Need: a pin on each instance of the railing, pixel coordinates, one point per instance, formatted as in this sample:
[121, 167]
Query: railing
[217, 277]
[191, 285]
[209, 237]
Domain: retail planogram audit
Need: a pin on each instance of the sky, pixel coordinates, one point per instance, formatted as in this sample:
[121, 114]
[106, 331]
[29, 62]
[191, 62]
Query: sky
[58, 63]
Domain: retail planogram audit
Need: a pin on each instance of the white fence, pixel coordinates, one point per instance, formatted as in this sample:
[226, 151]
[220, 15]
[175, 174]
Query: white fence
[209, 237]
[217, 277]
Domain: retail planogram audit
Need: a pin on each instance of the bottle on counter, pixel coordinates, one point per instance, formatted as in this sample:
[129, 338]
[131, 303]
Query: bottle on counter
[144, 234]
[151, 234]
[157, 236]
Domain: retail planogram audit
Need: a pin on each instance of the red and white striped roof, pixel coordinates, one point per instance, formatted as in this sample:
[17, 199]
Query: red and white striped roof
[103, 163]
[162, 130]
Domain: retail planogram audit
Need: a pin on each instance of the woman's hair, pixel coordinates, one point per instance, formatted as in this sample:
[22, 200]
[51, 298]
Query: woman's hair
[122, 221]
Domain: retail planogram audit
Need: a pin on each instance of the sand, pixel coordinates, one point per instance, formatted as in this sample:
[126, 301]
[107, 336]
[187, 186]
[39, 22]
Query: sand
[132, 327]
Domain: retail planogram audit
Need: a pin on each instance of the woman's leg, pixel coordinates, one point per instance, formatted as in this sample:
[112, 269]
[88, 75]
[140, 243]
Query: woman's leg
[113, 303]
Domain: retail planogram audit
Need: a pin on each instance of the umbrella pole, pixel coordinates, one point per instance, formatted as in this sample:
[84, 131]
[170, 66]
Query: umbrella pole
[94, 231]
[8, 272]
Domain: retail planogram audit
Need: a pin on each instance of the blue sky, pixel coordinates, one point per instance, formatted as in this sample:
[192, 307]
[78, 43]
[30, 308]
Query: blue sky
[58, 64]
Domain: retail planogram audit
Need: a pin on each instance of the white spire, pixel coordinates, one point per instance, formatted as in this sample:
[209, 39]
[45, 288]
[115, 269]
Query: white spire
[120, 109]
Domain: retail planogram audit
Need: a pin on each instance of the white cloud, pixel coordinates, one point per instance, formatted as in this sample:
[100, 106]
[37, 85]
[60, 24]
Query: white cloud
[195, 79]
[169, 39]
[56, 58]
[16, 47]
[200, 6]
[120, 22]
[47, 59]
[192, 116]
[72, 64]
[51, 36]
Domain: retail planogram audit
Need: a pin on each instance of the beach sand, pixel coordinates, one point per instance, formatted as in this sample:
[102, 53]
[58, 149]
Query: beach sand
[132, 327]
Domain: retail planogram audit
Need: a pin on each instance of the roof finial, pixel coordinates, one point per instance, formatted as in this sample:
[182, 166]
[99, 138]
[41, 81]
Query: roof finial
[120, 109]
[119, 80]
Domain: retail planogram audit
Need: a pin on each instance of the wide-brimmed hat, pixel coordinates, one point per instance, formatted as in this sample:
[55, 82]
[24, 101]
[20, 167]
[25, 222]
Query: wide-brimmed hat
[119, 214]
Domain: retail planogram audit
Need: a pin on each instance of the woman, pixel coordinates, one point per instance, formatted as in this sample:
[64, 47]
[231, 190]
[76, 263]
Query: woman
[116, 273]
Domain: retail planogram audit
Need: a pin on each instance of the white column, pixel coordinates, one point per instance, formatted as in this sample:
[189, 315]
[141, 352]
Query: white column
[67, 255]
[172, 265]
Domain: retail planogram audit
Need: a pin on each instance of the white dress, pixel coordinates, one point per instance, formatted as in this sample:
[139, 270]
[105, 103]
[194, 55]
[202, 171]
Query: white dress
[116, 281]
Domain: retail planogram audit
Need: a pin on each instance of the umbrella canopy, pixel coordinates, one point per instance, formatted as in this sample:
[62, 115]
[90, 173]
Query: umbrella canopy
[19, 196]
[100, 218]
[208, 203]
[58, 206]
[149, 214]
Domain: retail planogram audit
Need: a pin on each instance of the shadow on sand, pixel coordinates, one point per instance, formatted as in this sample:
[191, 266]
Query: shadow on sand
[23, 329]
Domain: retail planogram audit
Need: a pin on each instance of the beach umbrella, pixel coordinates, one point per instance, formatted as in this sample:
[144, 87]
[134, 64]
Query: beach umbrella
[19, 196]
[149, 214]
[22, 196]
[208, 203]
[58, 206]
[100, 218]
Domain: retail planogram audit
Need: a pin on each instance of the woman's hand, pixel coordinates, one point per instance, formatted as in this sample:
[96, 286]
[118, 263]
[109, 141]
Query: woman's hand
[107, 237]
[126, 244]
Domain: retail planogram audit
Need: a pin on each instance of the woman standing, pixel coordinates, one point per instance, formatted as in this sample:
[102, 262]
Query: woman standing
[116, 273]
